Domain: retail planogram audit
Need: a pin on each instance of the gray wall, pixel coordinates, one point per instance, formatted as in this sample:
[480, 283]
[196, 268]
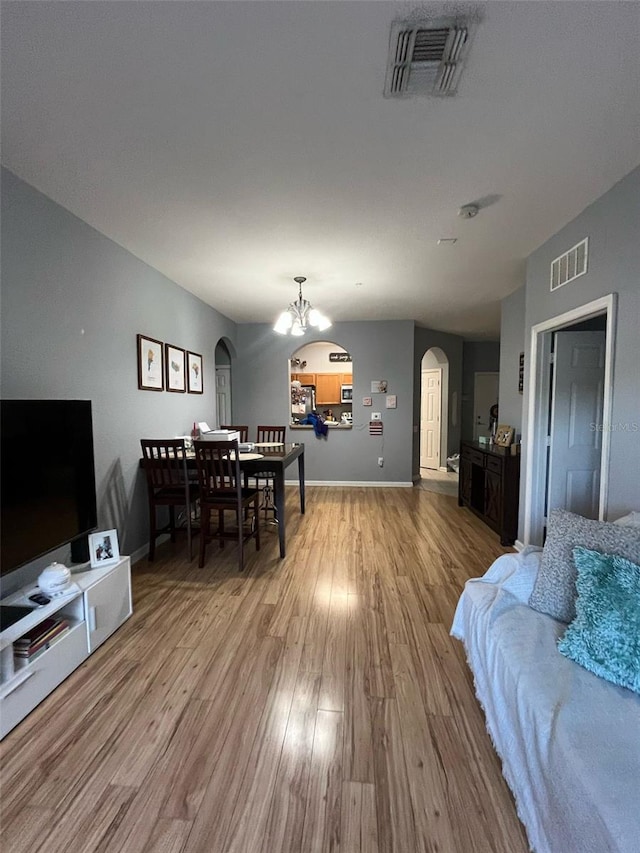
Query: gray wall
[451, 345]
[72, 304]
[511, 345]
[380, 350]
[611, 223]
[477, 357]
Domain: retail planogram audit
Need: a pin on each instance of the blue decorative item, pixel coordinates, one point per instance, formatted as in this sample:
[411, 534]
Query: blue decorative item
[605, 635]
[317, 422]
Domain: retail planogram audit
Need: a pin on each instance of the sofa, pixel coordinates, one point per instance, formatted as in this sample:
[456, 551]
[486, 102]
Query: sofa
[568, 739]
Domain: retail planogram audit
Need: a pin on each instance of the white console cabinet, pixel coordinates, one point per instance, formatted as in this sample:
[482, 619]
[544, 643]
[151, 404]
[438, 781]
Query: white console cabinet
[95, 610]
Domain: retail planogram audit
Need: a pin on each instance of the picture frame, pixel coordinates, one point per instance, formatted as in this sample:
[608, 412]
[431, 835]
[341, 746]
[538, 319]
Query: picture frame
[379, 386]
[504, 435]
[103, 548]
[150, 364]
[195, 379]
[175, 375]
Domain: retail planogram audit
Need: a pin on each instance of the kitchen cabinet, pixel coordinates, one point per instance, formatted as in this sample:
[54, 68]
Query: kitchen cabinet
[328, 388]
[489, 486]
[304, 378]
[347, 378]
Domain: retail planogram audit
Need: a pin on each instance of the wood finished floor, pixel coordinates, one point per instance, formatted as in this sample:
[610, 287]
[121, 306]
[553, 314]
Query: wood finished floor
[315, 703]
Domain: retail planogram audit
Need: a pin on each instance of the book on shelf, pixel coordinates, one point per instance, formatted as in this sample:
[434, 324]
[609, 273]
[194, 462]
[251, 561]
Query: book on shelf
[41, 634]
[23, 657]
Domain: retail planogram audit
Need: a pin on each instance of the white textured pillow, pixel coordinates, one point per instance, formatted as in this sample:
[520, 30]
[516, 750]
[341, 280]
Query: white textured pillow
[630, 520]
[554, 591]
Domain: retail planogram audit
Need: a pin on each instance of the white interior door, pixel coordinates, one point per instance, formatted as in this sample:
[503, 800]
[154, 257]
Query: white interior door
[223, 394]
[485, 395]
[576, 422]
[430, 406]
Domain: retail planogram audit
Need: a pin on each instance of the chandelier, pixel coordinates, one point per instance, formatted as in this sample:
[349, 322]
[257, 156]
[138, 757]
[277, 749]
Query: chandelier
[300, 315]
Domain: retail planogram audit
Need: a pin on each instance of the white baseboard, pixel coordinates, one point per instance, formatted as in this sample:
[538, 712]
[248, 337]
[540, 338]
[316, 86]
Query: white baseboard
[445, 470]
[357, 484]
[518, 545]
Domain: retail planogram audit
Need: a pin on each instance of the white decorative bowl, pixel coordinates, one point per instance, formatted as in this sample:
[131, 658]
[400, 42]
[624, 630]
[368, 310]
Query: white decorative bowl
[54, 579]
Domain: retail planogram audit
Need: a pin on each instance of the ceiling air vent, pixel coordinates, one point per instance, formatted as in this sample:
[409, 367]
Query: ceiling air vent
[425, 58]
[570, 265]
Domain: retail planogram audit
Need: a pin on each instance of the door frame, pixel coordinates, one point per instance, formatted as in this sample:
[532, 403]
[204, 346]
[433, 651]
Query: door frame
[538, 406]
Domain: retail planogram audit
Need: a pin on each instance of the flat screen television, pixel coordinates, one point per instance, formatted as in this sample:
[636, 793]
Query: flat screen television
[47, 477]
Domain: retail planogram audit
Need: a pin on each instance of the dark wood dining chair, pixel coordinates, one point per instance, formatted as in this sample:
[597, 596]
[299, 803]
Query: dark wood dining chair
[243, 430]
[168, 484]
[221, 491]
[270, 434]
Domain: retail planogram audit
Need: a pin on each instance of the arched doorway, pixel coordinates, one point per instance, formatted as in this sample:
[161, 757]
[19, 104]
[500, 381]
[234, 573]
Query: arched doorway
[224, 408]
[434, 423]
[434, 393]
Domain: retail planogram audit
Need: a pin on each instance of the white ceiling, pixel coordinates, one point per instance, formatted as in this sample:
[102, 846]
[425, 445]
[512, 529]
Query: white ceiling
[234, 145]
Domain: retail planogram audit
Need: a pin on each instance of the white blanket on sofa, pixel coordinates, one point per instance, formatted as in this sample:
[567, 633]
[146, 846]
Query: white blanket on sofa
[569, 741]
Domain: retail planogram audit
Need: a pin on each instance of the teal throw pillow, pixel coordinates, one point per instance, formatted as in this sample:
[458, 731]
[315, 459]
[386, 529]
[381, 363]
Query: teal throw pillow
[605, 635]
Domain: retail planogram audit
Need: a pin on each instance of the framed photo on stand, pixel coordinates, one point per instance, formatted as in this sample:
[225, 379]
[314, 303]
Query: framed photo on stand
[174, 359]
[103, 548]
[150, 364]
[195, 379]
[504, 435]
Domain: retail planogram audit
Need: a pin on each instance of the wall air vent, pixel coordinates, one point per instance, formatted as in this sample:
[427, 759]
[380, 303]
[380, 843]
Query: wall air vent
[426, 58]
[570, 265]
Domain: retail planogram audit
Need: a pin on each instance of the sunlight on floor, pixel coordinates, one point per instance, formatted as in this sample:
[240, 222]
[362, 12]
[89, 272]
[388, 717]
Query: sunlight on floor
[443, 482]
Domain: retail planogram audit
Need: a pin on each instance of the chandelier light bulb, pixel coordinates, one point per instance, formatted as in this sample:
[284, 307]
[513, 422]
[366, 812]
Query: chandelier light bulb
[283, 323]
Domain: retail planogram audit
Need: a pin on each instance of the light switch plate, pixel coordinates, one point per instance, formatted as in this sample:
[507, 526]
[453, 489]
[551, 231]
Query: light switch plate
[376, 416]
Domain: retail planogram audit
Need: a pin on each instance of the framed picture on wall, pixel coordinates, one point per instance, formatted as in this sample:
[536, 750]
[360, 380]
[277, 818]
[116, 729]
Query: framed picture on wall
[195, 379]
[150, 364]
[174, 360]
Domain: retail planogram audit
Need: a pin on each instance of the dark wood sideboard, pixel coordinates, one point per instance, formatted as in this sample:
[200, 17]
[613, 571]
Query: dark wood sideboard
[489, 485]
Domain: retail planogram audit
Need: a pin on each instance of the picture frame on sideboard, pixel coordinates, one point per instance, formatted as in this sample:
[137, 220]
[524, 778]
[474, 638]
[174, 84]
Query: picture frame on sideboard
[504, 435]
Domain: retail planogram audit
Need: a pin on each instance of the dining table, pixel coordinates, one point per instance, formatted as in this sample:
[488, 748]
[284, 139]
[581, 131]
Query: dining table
[274, 459]
[269, 459]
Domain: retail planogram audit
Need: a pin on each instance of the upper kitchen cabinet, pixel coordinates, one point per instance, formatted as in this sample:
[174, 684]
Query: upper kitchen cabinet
[304, 378]
[328, 388]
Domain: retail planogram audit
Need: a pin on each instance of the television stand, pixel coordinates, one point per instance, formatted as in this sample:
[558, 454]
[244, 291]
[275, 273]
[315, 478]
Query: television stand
[99, 604]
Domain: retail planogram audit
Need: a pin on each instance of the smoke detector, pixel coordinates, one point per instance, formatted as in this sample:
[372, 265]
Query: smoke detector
[468, 211]
[426, 57]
